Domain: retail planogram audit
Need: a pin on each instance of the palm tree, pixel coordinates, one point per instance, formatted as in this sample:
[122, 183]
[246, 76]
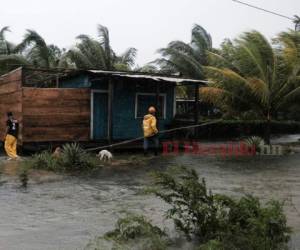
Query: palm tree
[9, 58]
[187, 59]
[37, 52]
[5, 46]
[250, 75]
[90, 53]
[32, 51]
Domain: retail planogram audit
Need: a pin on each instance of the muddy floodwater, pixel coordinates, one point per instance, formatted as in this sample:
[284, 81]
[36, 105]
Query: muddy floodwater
[66, 212]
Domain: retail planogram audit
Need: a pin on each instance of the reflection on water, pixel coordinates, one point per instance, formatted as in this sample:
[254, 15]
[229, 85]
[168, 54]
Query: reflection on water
[66, 212]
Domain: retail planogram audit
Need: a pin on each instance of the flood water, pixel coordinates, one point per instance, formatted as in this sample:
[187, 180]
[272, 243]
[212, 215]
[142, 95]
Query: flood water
[66, 212]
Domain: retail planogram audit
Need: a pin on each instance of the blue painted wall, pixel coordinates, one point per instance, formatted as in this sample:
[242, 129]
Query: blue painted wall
[124, 121]
[125, 125]
[79, 81]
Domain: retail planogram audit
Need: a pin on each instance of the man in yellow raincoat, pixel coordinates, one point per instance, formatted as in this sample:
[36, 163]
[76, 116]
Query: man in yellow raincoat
[11, 135]
[150, 131]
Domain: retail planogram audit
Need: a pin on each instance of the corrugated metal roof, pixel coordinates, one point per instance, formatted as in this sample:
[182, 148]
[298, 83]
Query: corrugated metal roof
[152, 77]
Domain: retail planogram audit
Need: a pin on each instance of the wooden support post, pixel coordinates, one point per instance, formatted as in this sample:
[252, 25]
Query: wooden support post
[110, 109]
[57, 81]
[157, 100]
[196, 104]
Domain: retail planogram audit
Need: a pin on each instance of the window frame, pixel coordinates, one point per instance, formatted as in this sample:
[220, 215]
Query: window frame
[150, 94]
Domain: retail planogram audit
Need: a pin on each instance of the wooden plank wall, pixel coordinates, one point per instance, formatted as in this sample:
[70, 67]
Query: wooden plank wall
[51, 114]
[11, 99]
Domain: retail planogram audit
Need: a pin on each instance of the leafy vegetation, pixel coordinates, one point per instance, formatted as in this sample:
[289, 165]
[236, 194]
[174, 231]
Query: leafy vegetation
[72, 158]
[44, 160]
[250, 75]
[133, 232]
[255, 141]
[32, 51]
[187, 59]
[90, 53]
[8, 53]
[211, 221]
[218, 221]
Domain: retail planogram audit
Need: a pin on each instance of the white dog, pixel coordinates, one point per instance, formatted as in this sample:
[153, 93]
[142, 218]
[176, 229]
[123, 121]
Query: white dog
[105, 155]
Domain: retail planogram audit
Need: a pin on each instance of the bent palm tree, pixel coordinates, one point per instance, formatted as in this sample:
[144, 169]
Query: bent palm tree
[9, 57]
[90, 53]
[5, 46]
[33, 51]
[187, 59]
[38, 52]
[250, 75]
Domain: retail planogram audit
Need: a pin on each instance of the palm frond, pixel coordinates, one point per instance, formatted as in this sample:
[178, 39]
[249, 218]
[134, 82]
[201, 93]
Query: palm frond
[38, 50]
[103, 34]
[10, 62]
[93, 51]
[128, 57]
[290, 98]
[3, 31]
[217, 96]
[186, 64]
[260, 89]
[187, 58]
[201, 40]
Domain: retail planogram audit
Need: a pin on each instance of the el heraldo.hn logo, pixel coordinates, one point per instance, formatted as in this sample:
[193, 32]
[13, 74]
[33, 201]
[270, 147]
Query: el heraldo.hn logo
[224, 149]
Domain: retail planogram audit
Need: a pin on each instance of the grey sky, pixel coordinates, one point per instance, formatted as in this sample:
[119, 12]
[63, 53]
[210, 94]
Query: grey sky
[143, 24]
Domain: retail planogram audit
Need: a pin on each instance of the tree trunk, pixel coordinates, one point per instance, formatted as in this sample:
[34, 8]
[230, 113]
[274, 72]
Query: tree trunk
[268, 130]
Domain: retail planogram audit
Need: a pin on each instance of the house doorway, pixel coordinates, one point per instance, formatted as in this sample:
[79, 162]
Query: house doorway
[99, 119]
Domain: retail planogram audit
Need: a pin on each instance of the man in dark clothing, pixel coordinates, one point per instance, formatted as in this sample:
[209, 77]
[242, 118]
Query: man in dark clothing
[11, 135]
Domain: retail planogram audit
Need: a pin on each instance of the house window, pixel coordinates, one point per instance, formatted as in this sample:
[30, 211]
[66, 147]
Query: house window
[144, 100]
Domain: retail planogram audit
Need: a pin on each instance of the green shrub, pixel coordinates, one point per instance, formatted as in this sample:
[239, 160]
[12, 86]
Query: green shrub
[212, 245]
[132, 232]
[46, 161]
[218, 220]
[72, 158]
[133, 227]
[255, 141]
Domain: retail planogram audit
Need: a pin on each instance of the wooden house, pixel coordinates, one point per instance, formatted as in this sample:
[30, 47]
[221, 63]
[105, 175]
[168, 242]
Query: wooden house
[85, 105]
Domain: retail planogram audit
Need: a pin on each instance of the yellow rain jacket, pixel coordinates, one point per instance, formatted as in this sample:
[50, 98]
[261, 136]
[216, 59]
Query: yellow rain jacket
[149, 125]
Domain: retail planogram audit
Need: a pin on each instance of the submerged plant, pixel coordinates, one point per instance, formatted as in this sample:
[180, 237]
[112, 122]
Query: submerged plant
[71, 158]
[74, 157]
[133, 232]
[23, 177]
[45, 160]
[218, 221]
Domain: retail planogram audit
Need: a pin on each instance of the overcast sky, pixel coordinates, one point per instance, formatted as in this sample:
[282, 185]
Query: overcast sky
[144, 24]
